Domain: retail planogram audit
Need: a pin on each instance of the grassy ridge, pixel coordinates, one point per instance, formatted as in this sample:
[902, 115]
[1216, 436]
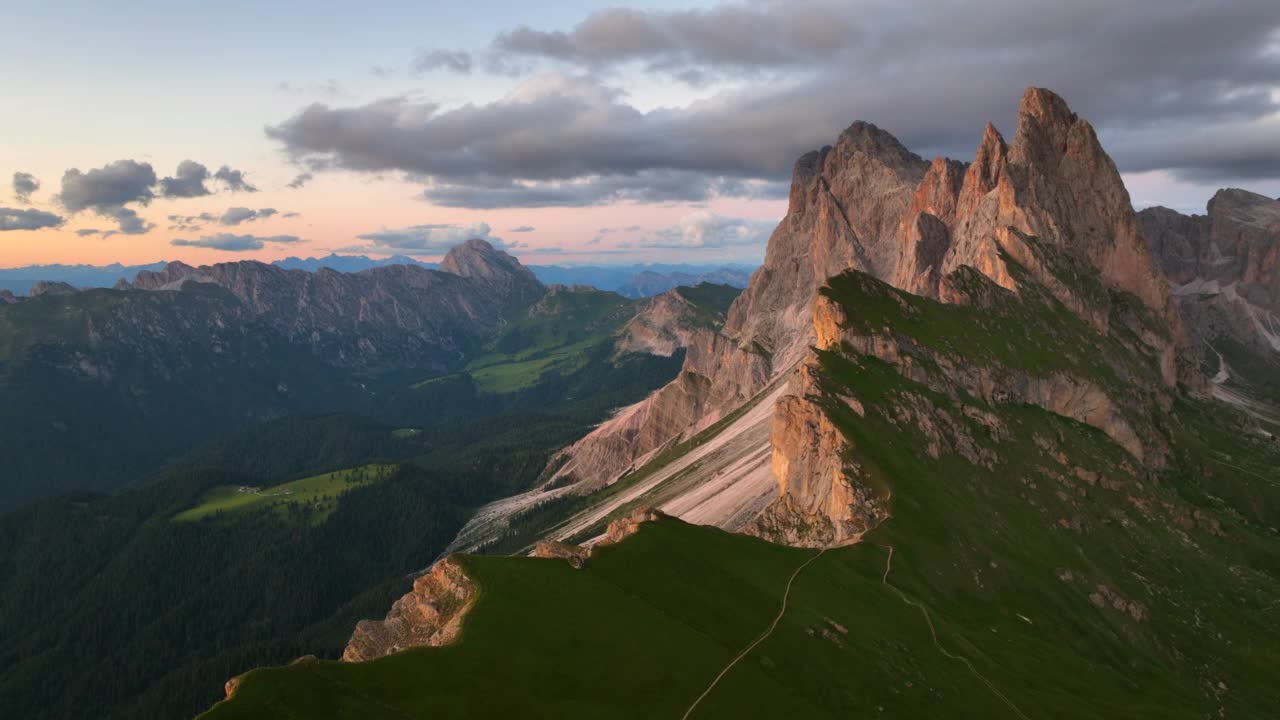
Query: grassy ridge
[1037, 571]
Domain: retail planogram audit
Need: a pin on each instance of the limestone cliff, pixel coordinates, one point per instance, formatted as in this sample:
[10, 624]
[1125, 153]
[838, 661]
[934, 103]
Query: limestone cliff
[845, 204]
[1051, 201]
[1224, 266]
[429, 616]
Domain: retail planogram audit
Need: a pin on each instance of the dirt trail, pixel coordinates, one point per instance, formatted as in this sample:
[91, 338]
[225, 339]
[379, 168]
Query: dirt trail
[772, 626]
[888, 565]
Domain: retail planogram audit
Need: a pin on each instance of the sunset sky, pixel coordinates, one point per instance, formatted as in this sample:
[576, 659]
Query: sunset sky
[569, 132]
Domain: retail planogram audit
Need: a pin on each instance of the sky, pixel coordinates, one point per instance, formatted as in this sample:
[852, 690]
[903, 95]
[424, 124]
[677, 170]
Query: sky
[570, 132]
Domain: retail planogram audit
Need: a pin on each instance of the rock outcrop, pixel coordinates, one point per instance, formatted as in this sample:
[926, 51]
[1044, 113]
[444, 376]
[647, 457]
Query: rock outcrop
[575, 555]
[7, 297]
[1224, 266]
[823, 500]
[429, 616]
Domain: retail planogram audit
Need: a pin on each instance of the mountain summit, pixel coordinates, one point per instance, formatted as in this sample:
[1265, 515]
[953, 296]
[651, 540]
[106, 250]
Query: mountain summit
[1051, 202]
[480, 261]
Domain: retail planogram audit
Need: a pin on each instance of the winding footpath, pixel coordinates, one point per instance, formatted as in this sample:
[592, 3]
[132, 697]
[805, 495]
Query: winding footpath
[888, 565]
[772, 626]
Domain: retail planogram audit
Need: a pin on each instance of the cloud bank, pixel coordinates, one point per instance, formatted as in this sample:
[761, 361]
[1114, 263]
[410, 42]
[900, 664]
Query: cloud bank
[1183, 86]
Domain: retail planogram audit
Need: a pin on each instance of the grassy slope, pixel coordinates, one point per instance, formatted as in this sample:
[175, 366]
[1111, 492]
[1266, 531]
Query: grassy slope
[1003, 561]
[318, 495]
[559, 333]
[554, 336]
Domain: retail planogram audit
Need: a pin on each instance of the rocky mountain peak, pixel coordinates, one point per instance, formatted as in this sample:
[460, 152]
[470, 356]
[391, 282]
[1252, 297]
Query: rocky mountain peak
[48, 287]
[478, 260]
[1247, 208]
[1225, 266]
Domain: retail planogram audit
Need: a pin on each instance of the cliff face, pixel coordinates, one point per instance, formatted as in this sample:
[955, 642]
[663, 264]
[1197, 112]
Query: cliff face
[1224, 266]
[389, 317]
[429, 616]
[1052, 202]
[673, 320]
[846, 200]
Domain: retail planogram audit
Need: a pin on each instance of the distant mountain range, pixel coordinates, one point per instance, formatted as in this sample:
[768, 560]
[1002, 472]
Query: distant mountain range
[633, 281]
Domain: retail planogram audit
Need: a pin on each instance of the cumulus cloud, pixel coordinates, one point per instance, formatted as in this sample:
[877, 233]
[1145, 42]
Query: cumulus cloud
[431, 239]
[233, 180]
[1180, 85]
[705, 230]
[110, 186]
[187, 182]
[26, 219]
[235, 243]
[300, 179]
[128, 222]
[24, 185]
[458, 61]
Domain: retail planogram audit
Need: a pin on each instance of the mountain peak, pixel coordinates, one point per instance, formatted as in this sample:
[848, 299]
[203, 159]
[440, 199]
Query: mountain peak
[478, 260]
[1045, 106]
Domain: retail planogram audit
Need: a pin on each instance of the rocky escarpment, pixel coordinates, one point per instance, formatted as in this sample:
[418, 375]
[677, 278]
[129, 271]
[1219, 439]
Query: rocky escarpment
[1224, 266]
[382, 318]
[666, 323]
[845, 202]
[433, 612]
[824, 498]
[428, 616]
[1051, 202]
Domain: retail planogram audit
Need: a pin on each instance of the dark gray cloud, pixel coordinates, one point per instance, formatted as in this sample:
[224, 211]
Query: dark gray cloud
[24, 185]
[458, 61]
[300, 179]
[109, 190]
[233, 180]
[235, 243]
[651, 187]
[108, 187]
[27, 219]
[738, 36]
[128, 222]
[522, 229]
[1180, 85]
[86, 232]
[187, 182]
